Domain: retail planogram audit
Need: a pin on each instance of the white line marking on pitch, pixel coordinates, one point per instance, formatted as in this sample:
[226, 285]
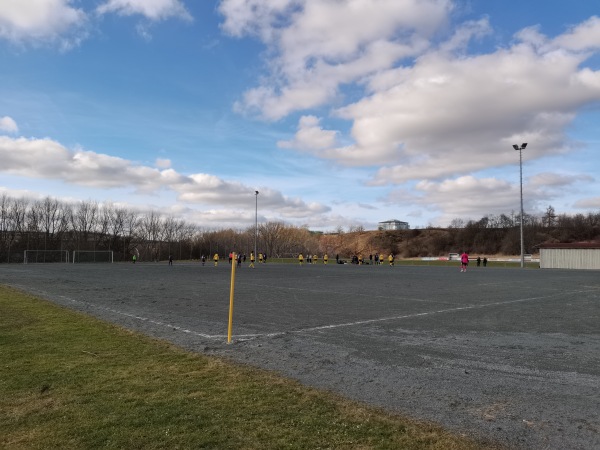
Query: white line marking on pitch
[322, 327]
[408, 316]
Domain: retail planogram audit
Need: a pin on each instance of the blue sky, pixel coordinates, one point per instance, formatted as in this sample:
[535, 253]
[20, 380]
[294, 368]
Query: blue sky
[340, 113]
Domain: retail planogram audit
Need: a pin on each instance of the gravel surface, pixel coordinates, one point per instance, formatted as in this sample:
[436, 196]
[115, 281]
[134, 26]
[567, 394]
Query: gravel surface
[507, 355]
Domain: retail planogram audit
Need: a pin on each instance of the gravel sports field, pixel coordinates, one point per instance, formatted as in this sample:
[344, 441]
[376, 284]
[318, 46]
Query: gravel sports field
[508, 355]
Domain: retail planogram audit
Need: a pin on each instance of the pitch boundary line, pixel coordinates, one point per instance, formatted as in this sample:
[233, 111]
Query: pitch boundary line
[243, 337]
[408, 316]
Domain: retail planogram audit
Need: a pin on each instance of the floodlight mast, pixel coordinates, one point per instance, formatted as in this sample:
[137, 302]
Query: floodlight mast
[255, 224]
[520, 150]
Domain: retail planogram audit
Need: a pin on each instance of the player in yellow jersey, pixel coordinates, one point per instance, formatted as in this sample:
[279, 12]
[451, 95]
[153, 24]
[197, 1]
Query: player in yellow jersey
[252, 259]
[325, 258]
[300, 258]
[216, 259]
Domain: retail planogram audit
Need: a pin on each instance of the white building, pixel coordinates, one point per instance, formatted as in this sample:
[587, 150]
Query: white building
[577, 255]
[393, 225]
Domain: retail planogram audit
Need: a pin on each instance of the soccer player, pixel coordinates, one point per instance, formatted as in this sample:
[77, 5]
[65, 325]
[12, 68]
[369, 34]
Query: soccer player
[216, 259]
[464, 261]
[252, 259]
[300, 258]
[325, 258]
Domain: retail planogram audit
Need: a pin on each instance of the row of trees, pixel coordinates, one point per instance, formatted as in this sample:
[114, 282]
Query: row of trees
[49, 224]
[549, 219]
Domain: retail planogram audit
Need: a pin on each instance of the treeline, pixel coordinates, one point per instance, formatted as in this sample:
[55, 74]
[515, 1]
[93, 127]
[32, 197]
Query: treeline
[49, 224]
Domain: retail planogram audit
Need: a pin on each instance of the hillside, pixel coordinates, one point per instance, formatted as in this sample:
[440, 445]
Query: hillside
[431, 242]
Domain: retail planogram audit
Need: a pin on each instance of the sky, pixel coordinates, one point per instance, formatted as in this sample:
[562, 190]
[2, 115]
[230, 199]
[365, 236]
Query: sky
[340, 113]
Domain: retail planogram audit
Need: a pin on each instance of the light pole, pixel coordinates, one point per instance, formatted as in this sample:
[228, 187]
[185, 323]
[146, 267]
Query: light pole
[255, 224]
[520, 150]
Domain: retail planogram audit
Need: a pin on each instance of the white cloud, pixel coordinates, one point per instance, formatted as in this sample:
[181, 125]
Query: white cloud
[448, 113]
[320, 44]
[151, 10]
[61, 23]
[451, 114]
[48, 159]
[20, 193]
[209, 189]
[465, 197]
[585, 36]
[162, 163]
[310, 136]
[255, 16]
[42, 21]
[154, 10]
[557, 180]
[588, 203]
[45, 158]
[8, 125]
[470, 198]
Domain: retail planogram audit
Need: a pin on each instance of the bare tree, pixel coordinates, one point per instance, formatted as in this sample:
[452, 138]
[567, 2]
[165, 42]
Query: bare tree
[272, 237]
[4, 227]
[151, 234]
[52, 222]
[169, 232]
[115, 219]
[102, 237]
[32, 220]
[327, 243]
[83, 220]
[15, 224]
[457, 223]
[131, 232]
[549, 219]
[185, 235]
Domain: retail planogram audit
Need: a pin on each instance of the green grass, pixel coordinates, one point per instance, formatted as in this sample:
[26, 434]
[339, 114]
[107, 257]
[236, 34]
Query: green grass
[72, 382]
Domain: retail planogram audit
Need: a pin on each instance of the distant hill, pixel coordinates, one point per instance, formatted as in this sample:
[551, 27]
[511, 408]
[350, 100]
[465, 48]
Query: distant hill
[476, 240]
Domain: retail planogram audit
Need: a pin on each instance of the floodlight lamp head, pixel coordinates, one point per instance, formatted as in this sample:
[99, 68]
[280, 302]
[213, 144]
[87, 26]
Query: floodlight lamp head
[256, 192]
[515, 146]
[524, 145]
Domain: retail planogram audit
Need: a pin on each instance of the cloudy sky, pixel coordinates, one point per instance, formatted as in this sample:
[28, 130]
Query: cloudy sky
[339, 112]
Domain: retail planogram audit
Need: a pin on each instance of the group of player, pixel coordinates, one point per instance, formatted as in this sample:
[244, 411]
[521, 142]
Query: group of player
[239, 258]
[375, 260]
[314, 259]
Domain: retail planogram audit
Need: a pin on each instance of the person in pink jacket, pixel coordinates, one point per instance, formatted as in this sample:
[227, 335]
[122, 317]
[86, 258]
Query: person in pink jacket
[464, 262]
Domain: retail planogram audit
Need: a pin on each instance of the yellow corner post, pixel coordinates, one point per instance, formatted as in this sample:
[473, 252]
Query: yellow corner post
[231, 289]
